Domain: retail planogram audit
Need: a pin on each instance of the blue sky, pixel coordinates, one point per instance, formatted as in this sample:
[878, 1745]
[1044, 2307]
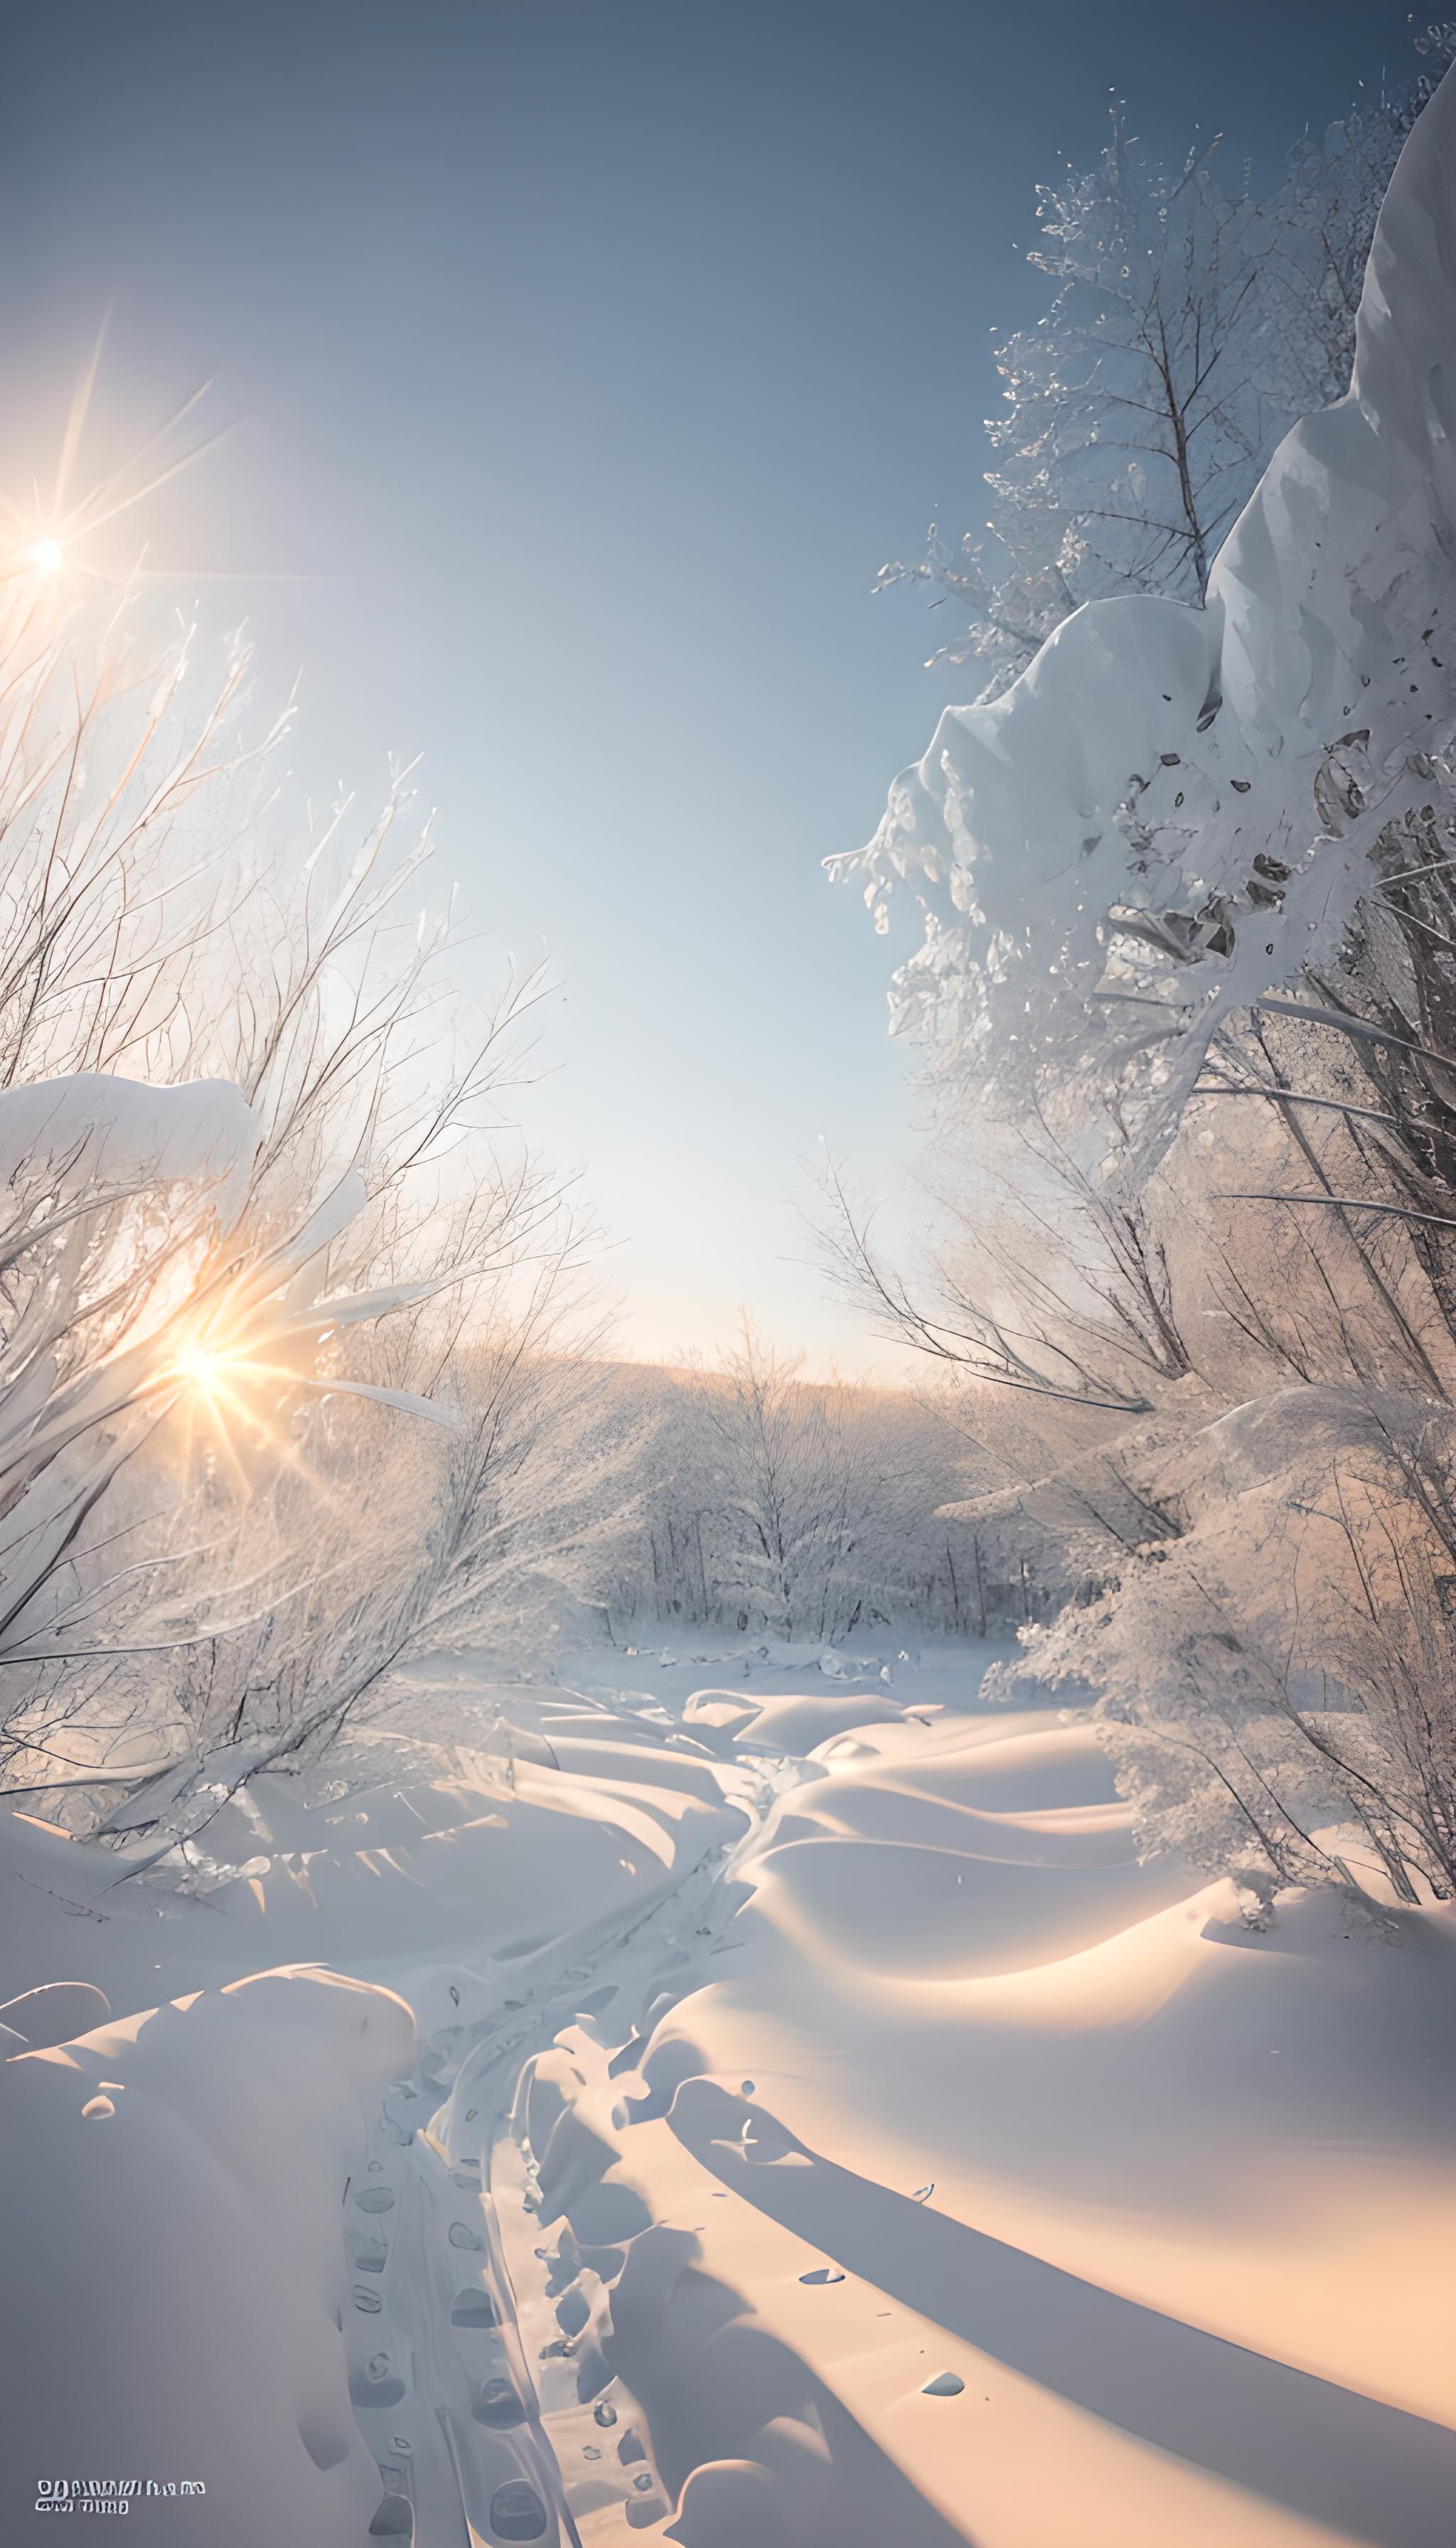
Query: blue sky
[585, 362]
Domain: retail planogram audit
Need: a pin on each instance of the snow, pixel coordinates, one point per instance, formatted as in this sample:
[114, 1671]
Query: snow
[1151, 751]
[737, 2107]
[100, 1133]
[187, 2283]
[759, 2093]
[130, 1248]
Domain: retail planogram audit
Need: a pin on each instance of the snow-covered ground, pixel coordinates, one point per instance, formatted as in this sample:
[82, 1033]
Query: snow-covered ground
[738, 2097]
[756, 2095]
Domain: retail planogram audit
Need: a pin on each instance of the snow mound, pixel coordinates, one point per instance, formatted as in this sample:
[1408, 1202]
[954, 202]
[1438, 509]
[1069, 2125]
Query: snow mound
[175, 2276]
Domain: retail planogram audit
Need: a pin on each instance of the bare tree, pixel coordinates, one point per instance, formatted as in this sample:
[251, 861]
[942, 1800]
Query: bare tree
[243, 1118]
[491, 1537]
[1038, 1280]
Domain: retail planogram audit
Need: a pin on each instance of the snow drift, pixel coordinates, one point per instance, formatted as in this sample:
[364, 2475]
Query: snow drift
[198, 2282]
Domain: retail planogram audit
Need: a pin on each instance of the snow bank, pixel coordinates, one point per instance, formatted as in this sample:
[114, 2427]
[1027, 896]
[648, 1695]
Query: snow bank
[1173, 809]
[176, 2277]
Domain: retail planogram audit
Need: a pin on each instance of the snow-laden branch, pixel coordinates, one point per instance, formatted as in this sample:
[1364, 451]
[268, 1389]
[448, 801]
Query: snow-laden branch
[1177, 810]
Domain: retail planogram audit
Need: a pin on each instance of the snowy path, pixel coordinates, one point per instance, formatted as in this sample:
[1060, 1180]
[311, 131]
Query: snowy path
[458, 2362]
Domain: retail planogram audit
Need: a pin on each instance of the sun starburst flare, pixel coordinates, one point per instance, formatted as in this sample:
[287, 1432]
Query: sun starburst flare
[231, 1388]
[43, 543]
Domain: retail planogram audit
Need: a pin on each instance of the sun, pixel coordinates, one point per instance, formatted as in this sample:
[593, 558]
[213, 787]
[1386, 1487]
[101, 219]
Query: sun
[45, 541]
[201, 1368]
[224, 1398]
[227, 1381]
[222, 1378]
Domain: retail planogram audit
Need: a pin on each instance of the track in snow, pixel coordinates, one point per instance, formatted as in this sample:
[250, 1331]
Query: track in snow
[446, 2384]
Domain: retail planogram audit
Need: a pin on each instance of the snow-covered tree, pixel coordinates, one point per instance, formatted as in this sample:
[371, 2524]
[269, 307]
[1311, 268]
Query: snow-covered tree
[1277, 1674]
[762, 1501]
[1175, 811]
[1187, 889]
[1322, 216]
[1136, 411]
[813, 1510]
[233, 1136]
[1189, 327]
[794, 1489]
[393, 1543]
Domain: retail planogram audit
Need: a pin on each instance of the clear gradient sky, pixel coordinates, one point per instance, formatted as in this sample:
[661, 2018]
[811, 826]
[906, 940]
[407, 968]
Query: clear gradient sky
[586, 358]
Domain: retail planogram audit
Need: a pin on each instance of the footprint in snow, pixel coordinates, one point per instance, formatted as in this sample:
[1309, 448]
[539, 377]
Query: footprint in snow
[377, 2388]
[946, 2384]
[497, 2406]
[375, 2198]
[474, 2307]
[366, 2300]
[395, 2519]
[460, 2234]
[766, 2142]
[516, 2512]
[822, 2274]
